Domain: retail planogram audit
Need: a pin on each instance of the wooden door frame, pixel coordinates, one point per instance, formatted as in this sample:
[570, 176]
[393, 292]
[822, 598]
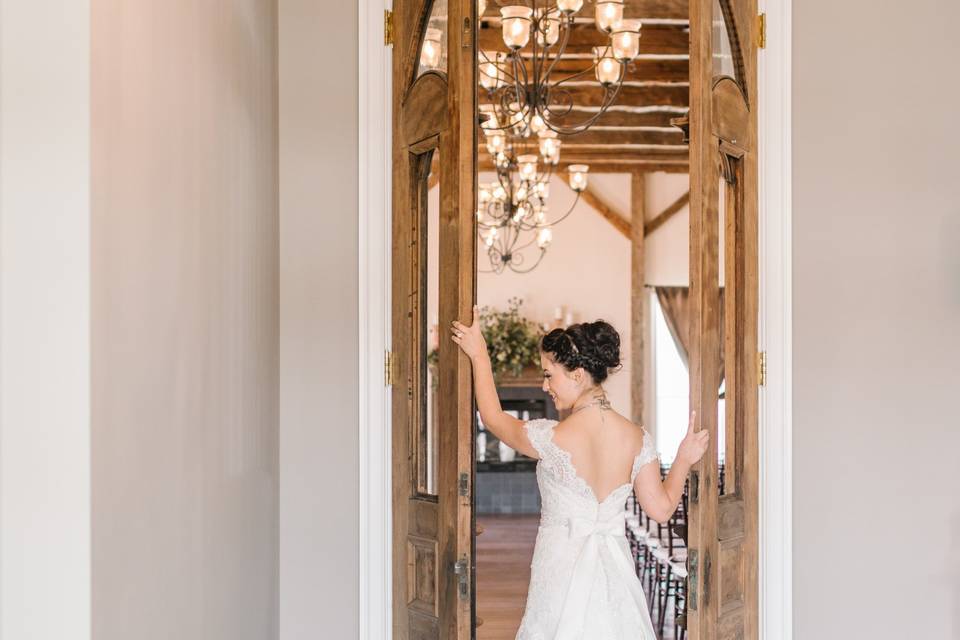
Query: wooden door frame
[374, 227]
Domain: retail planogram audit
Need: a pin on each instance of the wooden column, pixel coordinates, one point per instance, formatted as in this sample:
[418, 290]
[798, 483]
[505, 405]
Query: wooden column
[639, 303]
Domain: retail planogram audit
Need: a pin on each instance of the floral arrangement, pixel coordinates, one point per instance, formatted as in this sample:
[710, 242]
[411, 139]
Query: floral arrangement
[513, 341]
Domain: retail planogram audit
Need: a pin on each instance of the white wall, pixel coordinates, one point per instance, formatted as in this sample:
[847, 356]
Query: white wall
[319, 484]
[876, 221]
[185, 320]
[44, 320]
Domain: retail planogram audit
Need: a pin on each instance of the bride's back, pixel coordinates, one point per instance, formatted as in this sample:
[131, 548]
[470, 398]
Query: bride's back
[602, 448]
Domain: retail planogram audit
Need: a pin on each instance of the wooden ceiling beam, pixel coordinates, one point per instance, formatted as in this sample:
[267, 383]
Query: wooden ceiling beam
[643, 70]
[616, 117]
[609, 167]
[659, 9]
[664, 155]
[654, 38]
[658, 221]
[640, 70]
[621, 136]
[591, 94]
[485, 163]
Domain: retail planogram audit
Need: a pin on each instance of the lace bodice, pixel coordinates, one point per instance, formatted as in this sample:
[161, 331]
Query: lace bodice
[564, 492]
[582, 582]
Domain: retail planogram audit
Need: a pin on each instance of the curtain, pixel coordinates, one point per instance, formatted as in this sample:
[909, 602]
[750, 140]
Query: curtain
[675, 303]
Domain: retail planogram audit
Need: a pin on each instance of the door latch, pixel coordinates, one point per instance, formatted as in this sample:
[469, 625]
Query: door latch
[464, 485]
[692, 574]
[461, 569]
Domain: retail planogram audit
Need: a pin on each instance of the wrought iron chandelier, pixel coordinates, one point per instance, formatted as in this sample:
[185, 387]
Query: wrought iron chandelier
[512, 213]
[524, 85]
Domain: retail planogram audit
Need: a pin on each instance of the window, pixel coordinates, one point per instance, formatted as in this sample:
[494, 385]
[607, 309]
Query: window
[671, 382]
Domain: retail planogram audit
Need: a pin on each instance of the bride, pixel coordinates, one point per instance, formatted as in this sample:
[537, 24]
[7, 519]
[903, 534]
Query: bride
[582, 581]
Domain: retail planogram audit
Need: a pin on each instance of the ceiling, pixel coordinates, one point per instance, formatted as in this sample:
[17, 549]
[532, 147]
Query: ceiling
[635, 133]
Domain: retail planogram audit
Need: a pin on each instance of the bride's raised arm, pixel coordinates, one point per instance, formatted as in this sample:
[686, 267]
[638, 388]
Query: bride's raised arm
[503, 425]
[659, 499]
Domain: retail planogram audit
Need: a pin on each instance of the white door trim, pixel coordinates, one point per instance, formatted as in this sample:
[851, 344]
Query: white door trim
[776, 409]
[776, 598]
[374, 464]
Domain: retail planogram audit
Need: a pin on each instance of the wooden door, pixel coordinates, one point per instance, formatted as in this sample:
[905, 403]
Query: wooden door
[434, 115]
[723, 586]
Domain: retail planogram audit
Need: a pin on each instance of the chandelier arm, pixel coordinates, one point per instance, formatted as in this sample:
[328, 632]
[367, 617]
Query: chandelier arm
[609, 98]
[534, 266]
[564, 40]
[537, 66]
[578, 74]
[564, 216]
[581, 126]
[520, 72]
[523, 246]
[504, 70]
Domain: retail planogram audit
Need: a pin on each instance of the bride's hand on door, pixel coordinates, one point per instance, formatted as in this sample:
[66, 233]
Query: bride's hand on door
[694, 444]
[469, 338]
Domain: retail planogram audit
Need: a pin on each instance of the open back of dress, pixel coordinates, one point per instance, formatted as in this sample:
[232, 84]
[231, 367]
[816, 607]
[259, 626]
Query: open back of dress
[582, 582]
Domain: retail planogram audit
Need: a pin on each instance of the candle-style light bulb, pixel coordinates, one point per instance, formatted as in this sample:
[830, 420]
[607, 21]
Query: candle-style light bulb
[550, 146]
[626, 40]
[516, 26]
[537, 124]
[495, 142]
[607, 67]
[578, 176]
[528, 166]
[609, 14]
[569, 6]
[544, 238]
[548, 27]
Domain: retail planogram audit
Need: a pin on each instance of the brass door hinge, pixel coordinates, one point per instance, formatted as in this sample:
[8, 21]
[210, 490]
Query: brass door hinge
[762, 31]
[762, 368]
[388, 375]
[387, 27]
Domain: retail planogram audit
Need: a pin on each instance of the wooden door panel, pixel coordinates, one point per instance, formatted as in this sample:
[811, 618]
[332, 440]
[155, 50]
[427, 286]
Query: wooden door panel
[433, 284]
[724, 520]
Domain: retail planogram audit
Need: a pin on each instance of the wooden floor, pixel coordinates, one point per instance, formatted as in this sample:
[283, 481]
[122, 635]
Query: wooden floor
[504, 553]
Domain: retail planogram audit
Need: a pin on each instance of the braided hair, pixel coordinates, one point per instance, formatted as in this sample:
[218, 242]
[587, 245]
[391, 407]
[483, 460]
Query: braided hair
[593, 346]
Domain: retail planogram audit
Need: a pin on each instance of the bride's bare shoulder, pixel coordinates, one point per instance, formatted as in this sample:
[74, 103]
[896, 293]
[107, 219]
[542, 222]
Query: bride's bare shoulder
[630, 432]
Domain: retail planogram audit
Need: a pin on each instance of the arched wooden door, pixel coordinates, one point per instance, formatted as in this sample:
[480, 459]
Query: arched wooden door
[723, 597]
[434, 114]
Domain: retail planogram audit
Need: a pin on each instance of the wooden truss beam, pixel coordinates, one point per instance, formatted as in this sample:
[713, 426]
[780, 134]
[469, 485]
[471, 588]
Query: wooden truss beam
[667, 213]
[605, 210]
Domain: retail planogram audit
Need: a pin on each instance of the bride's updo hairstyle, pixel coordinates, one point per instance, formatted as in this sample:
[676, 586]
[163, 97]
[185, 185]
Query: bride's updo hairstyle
[594, 346]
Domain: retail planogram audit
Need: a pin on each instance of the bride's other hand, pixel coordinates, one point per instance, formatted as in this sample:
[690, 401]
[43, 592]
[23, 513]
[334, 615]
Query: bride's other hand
[694, 444]
[469, 338]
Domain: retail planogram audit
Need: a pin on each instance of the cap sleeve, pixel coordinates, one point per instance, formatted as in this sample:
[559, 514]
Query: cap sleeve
[539, 433]
[648, 454]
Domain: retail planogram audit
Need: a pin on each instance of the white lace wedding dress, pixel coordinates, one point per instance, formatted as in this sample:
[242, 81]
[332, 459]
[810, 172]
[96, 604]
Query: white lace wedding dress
[582, 583]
